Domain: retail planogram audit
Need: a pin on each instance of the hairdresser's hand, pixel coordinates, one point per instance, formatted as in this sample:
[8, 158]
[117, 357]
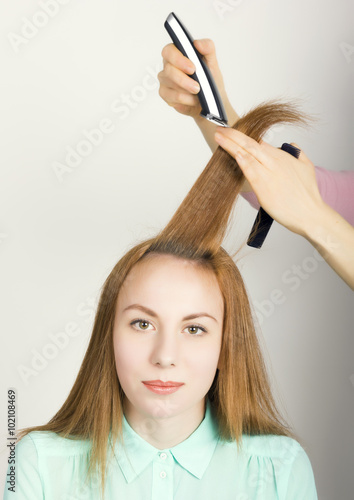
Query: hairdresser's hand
[178, 90]
[286, 188]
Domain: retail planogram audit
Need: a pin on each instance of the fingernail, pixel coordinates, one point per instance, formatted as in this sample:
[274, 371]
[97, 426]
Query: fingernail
[195, 87]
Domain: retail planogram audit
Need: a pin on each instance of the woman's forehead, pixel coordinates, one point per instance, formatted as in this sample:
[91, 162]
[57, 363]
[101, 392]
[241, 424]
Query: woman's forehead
[164, 266]
[163, 278]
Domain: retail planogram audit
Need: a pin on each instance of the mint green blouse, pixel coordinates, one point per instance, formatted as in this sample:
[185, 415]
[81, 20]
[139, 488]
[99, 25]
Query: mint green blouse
[201, 467]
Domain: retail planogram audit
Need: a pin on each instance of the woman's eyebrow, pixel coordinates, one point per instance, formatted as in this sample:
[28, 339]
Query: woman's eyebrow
[154, 315]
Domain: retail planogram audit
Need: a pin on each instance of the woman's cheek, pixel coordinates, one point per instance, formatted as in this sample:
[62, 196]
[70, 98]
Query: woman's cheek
[129, 353]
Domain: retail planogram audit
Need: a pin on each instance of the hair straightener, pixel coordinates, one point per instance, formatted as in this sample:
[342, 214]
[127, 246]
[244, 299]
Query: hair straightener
[213, 110]
[209, 97]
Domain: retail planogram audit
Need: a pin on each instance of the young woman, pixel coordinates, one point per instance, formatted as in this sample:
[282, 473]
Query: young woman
[172, 400]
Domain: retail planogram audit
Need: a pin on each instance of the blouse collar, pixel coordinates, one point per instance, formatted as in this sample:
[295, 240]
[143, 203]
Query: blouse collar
[193, 454]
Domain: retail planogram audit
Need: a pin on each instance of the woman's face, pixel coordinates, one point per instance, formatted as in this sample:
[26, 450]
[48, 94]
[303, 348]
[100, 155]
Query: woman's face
[168, 327]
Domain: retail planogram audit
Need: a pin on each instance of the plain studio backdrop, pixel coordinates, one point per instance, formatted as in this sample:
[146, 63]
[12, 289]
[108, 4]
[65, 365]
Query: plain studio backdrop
[93, 161]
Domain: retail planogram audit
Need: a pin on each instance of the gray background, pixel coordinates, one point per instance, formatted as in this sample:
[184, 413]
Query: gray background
[59, 240]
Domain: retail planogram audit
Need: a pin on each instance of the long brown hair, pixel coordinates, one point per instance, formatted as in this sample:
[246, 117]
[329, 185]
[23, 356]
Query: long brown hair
[240, 392]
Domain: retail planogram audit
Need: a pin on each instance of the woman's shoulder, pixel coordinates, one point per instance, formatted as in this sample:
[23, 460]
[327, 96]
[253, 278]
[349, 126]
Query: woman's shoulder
[271, 446]
[268, 460]
[46, 443]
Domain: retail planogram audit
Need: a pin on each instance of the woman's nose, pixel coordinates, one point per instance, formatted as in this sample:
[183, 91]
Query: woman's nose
[165, 349]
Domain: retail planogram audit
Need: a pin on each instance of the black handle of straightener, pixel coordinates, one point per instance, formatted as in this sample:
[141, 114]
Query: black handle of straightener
[264, 220]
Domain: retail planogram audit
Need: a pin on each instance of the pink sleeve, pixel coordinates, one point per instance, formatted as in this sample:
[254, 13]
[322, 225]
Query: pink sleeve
[336, 189]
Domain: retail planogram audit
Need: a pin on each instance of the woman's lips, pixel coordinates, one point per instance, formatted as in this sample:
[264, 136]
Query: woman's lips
[162, 384]
[160, 387]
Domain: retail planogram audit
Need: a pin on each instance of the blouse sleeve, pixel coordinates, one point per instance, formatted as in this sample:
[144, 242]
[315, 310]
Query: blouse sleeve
[301, 482]
[336, 189]
[28, 484]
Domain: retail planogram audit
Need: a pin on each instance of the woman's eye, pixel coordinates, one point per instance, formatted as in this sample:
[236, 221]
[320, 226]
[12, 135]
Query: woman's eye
[141, 324]
[193, 330]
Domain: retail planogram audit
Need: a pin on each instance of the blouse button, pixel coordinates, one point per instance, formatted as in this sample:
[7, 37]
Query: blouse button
[163, 474]
[163, 456]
